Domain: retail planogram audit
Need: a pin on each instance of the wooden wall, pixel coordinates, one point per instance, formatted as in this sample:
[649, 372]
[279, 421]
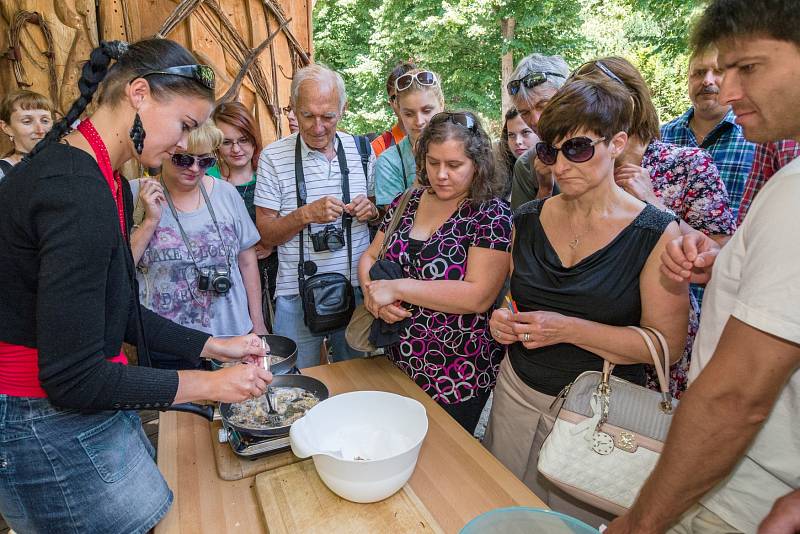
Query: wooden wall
[219, 32]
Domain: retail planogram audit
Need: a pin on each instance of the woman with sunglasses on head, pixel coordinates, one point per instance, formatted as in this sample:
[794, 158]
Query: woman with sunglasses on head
[683, 180]
[195, 248]
[516, 139]
[25, 117]
[418, 98]
[73, 456]
[585, 265]
[452, 245]
[237, 164]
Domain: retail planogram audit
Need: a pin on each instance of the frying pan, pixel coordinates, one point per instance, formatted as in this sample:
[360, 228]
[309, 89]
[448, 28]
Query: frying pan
[312, 385]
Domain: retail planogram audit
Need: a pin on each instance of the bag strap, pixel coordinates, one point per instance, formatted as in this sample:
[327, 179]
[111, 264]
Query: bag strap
[397, 216]
[364, 150]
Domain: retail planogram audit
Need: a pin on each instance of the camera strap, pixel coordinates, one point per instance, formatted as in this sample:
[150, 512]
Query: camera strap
[300, 188]
[180, 226]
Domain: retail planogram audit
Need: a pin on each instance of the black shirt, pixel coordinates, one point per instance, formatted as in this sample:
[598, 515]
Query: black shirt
[603, 287]
[69, 288]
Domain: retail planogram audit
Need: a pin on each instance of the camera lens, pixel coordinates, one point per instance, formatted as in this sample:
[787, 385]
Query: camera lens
[335, 241]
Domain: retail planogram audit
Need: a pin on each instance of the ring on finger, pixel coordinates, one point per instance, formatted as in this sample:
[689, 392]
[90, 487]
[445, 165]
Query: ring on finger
[526, 337]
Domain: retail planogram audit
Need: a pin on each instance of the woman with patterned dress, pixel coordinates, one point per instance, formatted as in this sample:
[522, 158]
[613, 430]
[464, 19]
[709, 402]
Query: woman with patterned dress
[453, 244]
[681, 180]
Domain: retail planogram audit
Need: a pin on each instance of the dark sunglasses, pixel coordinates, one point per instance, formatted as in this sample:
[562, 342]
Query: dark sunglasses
[187, 160]
[424, 78]
[576, 150]
[462, 119]
[602, 68]
[530, 81]
[202, 74]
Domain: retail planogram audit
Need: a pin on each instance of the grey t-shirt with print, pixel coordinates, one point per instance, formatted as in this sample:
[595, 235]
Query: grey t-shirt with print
[168, 277]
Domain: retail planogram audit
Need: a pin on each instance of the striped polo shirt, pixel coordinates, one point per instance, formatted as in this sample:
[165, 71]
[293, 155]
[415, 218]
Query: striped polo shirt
[276, 190]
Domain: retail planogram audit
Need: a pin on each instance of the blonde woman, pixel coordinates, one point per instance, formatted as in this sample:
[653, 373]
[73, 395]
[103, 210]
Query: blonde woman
[419, 97]
[195, 247]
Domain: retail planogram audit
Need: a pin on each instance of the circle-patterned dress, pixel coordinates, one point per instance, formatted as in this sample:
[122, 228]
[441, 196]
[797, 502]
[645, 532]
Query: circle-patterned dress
[452, 357]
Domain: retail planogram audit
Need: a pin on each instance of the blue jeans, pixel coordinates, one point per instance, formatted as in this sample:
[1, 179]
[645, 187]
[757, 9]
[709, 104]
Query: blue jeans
[63, 470]
[289, 323]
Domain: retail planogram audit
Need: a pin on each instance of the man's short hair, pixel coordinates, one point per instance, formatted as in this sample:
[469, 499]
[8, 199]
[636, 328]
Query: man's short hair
[726, 19]
[321, 75]
[541, 63]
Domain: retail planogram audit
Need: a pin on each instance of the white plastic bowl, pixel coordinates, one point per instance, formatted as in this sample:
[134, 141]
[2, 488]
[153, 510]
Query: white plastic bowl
[385, 431]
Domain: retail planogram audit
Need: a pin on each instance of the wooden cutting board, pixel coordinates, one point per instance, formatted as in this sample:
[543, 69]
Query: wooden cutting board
[232, 467]
[294, 499]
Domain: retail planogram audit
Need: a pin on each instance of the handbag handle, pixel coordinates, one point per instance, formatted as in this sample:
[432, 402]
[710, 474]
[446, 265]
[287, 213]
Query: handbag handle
[397, 216]
[662, 370]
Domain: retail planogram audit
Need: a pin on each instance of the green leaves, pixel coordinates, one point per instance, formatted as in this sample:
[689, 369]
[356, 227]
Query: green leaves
[462, 41]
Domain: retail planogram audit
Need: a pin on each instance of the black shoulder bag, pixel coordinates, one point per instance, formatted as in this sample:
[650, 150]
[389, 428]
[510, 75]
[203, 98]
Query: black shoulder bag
[328, 298]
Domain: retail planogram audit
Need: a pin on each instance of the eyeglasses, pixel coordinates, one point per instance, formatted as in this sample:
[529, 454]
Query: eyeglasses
[463, 119]
[243, 142]
[530, 81]
[576, 150]
[602, 68]
[424, 78]
[286, 109]
[185, 161]
[202, 74]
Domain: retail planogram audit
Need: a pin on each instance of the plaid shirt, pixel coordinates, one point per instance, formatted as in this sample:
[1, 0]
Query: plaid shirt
[767, 160]
[726, 144]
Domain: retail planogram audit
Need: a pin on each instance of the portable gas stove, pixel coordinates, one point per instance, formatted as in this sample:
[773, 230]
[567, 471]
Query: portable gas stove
[251, 447]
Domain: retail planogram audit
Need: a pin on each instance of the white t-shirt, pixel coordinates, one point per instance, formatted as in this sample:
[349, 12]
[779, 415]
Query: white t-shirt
[756, 279]
[276, 190]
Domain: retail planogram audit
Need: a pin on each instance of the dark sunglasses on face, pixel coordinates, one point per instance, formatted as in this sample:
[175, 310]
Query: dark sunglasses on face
[424, 78]
[185, 161]
[202, 74]
[462, 119]
[576, 150]
[530, 81]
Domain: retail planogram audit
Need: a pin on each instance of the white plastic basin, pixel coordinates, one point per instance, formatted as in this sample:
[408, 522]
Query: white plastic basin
[364, 444]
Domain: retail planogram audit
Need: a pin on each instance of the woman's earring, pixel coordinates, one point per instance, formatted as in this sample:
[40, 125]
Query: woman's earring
[137, 134]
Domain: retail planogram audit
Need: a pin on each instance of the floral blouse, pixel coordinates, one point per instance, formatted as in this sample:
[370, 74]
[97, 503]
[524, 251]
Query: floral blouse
[452, 357]
[687, 182]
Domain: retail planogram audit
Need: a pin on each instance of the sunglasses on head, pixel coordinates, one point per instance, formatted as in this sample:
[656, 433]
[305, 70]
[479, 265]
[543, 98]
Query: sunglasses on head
[424, 78]
[185, 161]
[202, 74]
[530, 81]
[602, 68]
[576, 150]
[462, 119]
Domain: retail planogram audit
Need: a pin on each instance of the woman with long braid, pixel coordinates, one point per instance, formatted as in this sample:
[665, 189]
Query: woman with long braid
[73, 457]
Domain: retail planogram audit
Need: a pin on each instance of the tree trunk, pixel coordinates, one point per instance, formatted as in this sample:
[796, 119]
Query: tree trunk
[507, 27]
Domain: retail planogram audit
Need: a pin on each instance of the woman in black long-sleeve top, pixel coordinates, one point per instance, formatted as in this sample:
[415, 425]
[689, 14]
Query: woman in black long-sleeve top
[72, 455]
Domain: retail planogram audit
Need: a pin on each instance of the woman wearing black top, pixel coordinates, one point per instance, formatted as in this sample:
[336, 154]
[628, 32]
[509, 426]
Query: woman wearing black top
[585, 265]
[73, 457]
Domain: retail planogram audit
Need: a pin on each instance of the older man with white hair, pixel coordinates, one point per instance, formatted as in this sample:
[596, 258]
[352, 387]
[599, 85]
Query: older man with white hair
[533, 83]
[314, 200]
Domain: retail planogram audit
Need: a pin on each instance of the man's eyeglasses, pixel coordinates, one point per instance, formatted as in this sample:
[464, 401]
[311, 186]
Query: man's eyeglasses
[202, 74]
[576, 150]
[530, 81]
[462, 119]
[424, 78]
[185, 161]
[243, 142]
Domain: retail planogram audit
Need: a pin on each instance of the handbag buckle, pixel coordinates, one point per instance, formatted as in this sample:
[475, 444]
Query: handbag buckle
[666, 403]
[626, 441]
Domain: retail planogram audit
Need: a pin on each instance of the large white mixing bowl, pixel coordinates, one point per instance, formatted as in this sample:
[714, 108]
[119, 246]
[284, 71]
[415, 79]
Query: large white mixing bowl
[364, 444]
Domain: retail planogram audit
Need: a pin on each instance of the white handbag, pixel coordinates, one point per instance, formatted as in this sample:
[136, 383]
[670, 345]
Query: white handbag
[608, 434]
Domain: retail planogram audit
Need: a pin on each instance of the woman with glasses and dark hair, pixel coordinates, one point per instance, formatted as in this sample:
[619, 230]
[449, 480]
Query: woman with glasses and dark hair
[73, 455]
[516, 139]
[453, 245]
[682, 180]
[195, 247]
[418, 98]
[585, 265]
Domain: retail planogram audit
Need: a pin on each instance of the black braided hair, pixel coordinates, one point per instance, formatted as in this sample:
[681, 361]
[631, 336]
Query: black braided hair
[93, 72]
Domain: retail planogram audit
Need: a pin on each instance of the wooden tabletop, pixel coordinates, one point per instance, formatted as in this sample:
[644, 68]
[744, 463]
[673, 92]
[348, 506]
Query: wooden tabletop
[456, 478]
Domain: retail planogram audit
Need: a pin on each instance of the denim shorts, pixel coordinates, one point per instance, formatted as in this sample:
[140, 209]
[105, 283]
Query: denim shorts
[289, 322]
[64, 470]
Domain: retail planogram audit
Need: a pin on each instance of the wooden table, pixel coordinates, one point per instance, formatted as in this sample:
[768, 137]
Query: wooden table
[456, 478]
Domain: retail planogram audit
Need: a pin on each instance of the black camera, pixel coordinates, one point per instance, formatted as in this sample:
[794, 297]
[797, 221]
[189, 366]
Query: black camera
[329, 238]
[216, 279]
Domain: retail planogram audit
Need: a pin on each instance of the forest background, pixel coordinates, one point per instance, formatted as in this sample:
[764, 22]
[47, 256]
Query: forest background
[474, 44]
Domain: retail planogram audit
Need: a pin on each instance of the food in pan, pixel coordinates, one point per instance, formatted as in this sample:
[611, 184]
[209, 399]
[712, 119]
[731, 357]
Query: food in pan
[290, 403]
